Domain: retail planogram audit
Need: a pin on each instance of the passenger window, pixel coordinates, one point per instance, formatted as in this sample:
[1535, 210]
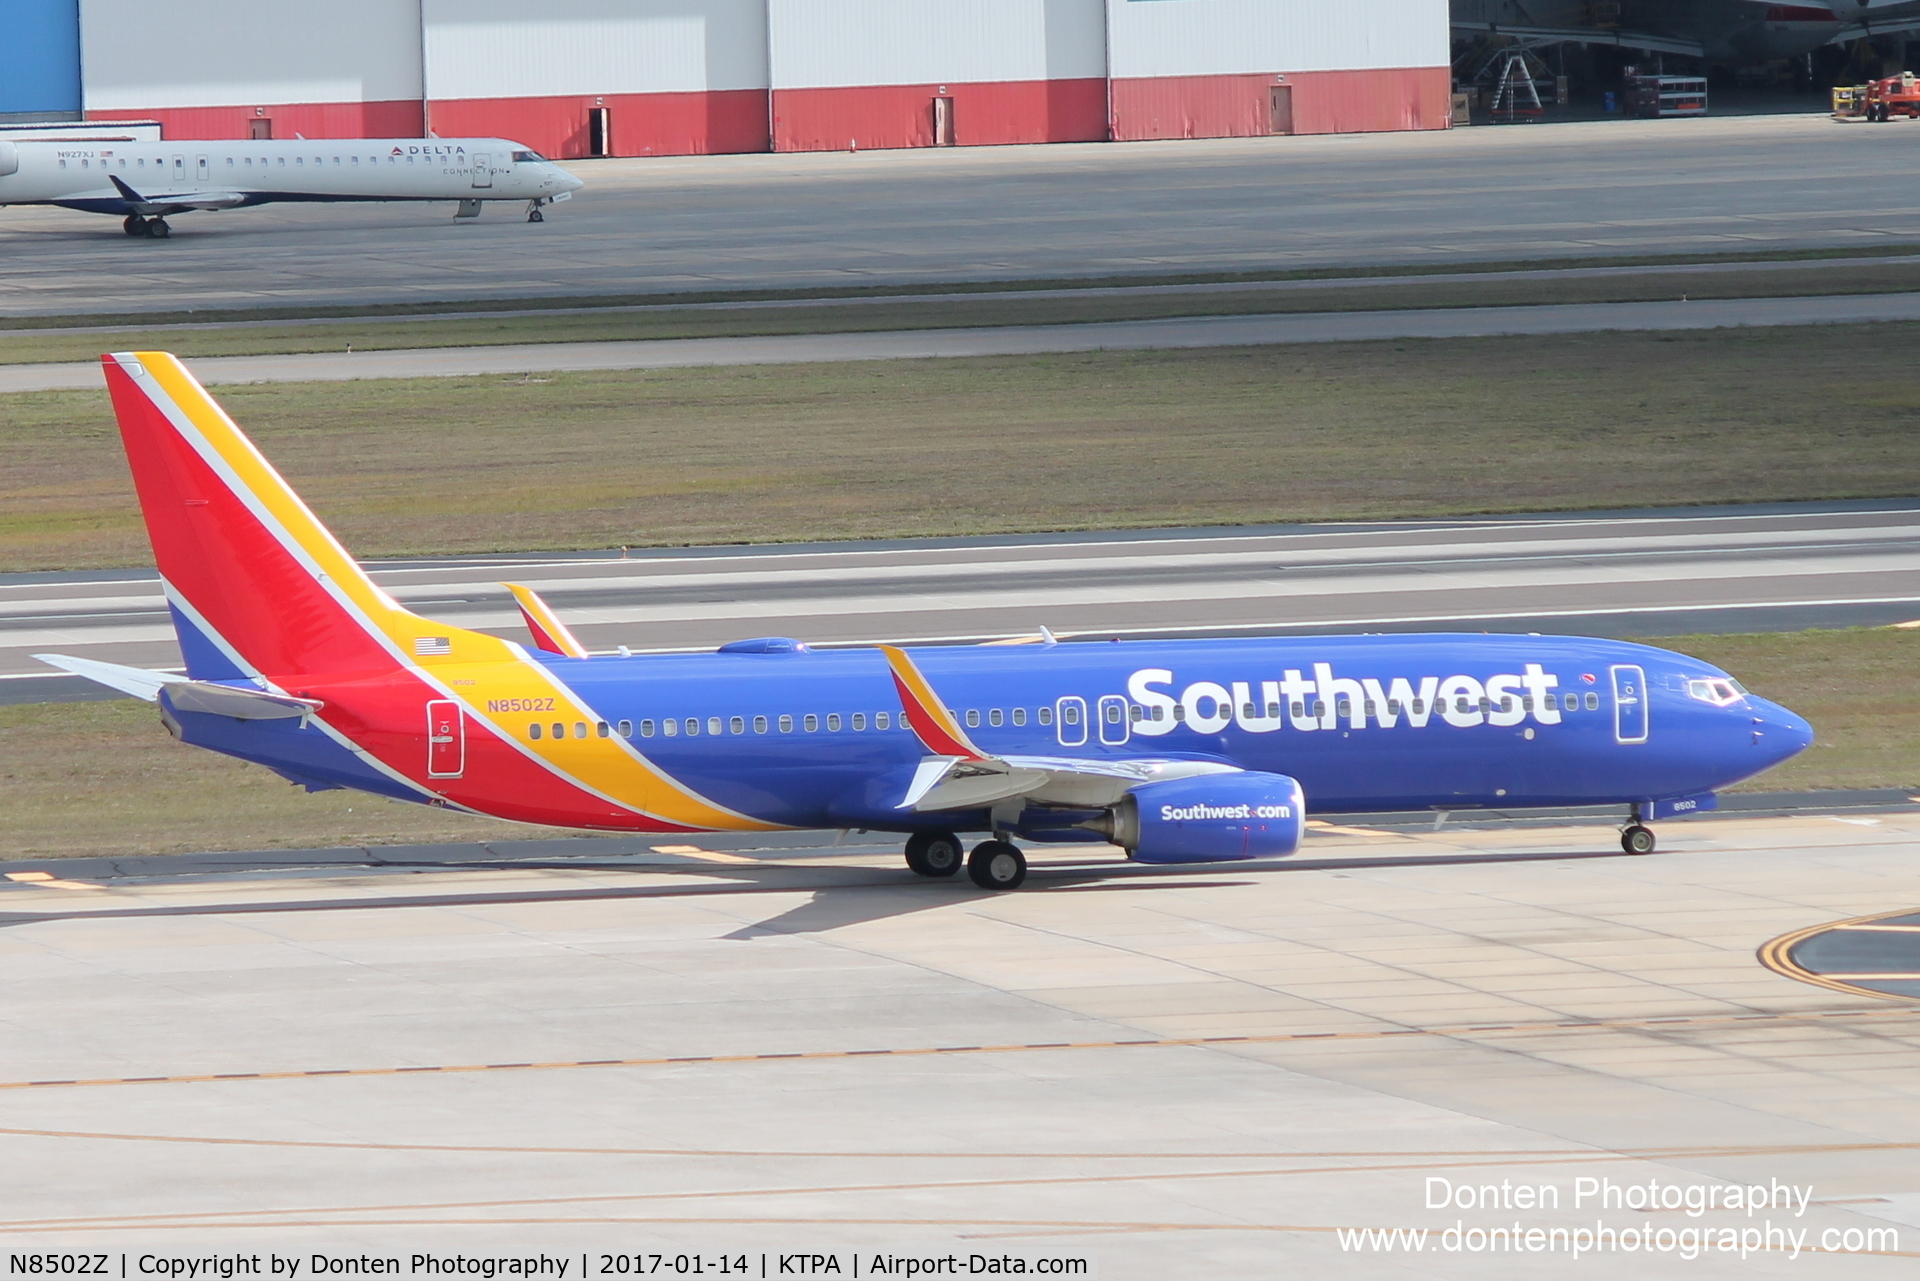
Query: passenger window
[533, 730]
[579, 729]
[1019, 716]
[1419, 707]
[1571, 702]
[559, 730]
[713, 724]
[1593, 702]
[603, 729]
[786, 724]
[759, 724]
[1045, 715]
[1319, 708]
[1113, 713]
[1070, 714]
[1393, 707]
[1273, 711]
[881, 720]
[973, 718]
[692, 726]
[626, 729]
[1342, 708]
[812, 722]
[1137, 712]
[737, 725]
[859, 720]
[995, 718]
[671, 728]
[833, 722]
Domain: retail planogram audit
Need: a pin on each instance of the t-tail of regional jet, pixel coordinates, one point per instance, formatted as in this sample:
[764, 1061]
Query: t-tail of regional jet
[1177, 751]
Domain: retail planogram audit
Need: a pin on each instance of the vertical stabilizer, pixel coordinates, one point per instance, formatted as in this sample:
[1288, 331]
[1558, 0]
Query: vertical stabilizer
[257, 584]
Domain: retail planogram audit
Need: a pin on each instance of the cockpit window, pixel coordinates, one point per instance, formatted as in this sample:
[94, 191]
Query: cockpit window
[526, 157]
[1720, 691]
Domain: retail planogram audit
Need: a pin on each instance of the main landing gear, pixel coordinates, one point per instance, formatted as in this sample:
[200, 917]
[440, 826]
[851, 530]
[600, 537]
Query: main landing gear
[997, 865]
[1636, 837]
[153, 228]
[993, 865]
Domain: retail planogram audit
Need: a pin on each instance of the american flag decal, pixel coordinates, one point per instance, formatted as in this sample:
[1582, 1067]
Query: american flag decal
[427, 645]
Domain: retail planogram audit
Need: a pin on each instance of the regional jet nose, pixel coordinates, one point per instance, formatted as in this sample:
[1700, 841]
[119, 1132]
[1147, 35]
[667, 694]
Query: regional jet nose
[566, 181]
[1777, 732]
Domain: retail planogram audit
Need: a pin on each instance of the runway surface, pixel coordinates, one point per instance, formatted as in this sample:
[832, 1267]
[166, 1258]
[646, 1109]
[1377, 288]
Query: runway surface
[717, 1048]
[880, 218]
[1706, 569]
[1008, 340]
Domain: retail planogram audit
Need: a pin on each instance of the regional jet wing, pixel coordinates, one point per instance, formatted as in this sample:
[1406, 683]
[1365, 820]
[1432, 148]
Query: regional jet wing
[175, 204]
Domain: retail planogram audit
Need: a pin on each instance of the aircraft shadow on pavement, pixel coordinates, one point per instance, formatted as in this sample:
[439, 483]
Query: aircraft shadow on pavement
[835, 904]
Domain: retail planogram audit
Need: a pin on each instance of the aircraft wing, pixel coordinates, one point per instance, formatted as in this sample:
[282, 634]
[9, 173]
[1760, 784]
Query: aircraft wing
[173, 204]
[958, 775]
[953, 783]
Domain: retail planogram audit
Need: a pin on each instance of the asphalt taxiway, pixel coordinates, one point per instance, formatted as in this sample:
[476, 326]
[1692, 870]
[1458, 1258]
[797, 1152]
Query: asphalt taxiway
[886, 218]
[1776, 567]
[767, 1044]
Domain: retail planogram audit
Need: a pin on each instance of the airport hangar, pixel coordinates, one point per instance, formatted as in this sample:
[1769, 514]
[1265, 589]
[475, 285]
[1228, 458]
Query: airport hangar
[579, 78]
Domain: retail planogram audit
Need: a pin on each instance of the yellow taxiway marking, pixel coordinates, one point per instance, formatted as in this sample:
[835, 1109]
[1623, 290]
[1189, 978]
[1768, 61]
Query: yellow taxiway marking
[1663, 1024]
[708, 856]
[50, 881]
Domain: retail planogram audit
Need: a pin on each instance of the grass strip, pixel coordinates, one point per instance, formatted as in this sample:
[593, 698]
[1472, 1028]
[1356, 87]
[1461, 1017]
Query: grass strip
[1099, 440]
[960, 312]
[84, 779]
[961, 287]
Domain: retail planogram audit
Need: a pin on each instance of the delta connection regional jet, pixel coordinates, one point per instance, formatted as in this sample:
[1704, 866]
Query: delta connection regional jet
[148, 182]
[1178, 751]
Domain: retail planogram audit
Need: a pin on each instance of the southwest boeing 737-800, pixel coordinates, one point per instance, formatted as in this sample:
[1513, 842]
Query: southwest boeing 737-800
[145, 183]
[1177, 751]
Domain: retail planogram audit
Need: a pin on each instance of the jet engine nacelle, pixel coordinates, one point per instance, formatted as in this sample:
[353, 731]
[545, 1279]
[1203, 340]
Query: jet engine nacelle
[9, 159]
[1211, 818]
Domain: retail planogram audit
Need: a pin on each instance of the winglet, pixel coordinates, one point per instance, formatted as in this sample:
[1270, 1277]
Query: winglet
[934, 724]
[549, 633]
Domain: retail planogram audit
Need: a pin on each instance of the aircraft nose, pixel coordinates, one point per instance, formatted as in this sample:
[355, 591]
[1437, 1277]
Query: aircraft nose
[566, 181]
[1778, 732]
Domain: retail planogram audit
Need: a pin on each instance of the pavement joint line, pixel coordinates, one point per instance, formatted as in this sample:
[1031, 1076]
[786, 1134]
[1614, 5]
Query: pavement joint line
[1664, 1023]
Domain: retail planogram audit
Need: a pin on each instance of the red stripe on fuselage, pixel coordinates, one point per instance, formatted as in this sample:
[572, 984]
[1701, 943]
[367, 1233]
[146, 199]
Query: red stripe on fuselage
[931, 732]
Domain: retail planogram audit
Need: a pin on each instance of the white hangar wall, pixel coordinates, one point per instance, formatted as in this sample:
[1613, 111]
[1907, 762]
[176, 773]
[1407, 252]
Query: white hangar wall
[680, 77]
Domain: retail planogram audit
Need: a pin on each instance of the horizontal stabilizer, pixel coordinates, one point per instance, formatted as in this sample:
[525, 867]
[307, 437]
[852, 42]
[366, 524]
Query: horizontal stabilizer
[549, 633]
[186, 695]
[137, 681]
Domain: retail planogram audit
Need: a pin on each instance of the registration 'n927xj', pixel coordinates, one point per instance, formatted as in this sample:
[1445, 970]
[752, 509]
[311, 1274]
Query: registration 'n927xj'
[1177, 751]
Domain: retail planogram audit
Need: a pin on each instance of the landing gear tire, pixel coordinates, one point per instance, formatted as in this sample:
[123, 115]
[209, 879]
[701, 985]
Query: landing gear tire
[157, 229]
[935, 853]
[534, 215]
[1637, 839]
[135, 225]
[997, 865]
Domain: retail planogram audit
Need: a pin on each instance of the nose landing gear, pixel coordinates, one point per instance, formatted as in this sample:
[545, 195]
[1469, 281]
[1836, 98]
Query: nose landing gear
[533, 211]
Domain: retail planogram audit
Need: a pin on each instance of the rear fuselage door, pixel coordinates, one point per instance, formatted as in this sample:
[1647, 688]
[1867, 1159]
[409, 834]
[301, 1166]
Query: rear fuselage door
[1629, 705]
[482, 171]
[446, 739]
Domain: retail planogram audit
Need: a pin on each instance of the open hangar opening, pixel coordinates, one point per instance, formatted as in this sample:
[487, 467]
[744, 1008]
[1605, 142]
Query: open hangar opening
[579, 78]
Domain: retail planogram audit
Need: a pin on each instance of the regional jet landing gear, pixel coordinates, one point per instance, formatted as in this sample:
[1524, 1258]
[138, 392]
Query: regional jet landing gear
[1636, 837]
[155, 228]
[533, 211]
[935, 853]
